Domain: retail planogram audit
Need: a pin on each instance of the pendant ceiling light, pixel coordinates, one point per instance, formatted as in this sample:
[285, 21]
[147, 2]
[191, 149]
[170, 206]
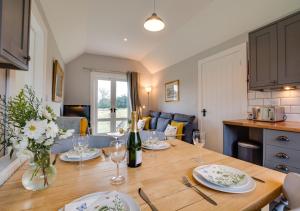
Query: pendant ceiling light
[154, 23]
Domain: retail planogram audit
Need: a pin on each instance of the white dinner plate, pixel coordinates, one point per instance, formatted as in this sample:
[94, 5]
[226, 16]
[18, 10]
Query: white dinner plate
[64, 156]
[250, 186]
[128, 200]
[225, 176]
[159, 145]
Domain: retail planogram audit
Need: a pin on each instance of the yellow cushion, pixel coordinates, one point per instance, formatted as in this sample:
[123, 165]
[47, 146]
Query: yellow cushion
[83, 126]
[179, 126]
[147, 122]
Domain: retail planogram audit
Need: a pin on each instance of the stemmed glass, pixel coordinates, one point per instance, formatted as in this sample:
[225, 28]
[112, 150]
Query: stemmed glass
[80, 145]
[199, 142]
[117, 155]
[199, 139]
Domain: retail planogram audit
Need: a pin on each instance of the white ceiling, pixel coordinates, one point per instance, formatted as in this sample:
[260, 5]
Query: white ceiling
[192, 26]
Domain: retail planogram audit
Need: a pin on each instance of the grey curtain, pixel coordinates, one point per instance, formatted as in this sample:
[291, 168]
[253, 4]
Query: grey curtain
[134, 101]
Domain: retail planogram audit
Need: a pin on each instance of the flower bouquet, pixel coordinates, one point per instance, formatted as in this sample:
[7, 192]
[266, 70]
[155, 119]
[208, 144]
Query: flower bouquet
[29, 129]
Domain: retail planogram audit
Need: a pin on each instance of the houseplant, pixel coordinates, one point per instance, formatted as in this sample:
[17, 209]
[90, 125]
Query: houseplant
[28, 128]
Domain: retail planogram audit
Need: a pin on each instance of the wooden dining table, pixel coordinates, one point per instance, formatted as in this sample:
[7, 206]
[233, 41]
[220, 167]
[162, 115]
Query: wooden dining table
[160, 177]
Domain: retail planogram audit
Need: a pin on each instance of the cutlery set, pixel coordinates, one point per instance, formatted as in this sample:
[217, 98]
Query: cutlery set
[187, 183]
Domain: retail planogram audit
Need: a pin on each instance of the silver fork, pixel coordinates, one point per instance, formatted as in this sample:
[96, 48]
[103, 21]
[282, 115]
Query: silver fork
[187, 183]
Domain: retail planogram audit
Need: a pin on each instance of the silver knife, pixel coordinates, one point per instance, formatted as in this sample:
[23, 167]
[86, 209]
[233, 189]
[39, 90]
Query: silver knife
[147, 200]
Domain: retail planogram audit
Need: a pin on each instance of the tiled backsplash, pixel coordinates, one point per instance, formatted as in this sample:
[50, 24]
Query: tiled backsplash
[289, 99]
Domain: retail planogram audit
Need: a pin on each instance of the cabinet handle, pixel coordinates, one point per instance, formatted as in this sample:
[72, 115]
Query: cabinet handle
[283, 168]
[26, 58]
[283, 138]
[282, 155]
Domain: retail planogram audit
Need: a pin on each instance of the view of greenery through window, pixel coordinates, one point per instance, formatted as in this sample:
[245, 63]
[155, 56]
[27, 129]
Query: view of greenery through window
[104, 102]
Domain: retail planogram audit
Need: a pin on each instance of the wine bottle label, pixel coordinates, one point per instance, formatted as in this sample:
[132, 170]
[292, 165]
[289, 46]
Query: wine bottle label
[138, 157]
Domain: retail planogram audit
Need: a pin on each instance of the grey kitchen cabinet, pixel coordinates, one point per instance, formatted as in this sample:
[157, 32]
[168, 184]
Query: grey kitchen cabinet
[289, 50]
[14, 34]
[263, 57]
[275, 54]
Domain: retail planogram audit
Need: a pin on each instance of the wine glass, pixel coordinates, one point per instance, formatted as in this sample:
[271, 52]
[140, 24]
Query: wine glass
[117, 155]
[199, 139]
[80, 145]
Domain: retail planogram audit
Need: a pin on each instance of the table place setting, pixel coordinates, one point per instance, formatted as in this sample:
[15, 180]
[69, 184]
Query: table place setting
[155, 145]
[74, 156]
[103, 201]
[224, 178]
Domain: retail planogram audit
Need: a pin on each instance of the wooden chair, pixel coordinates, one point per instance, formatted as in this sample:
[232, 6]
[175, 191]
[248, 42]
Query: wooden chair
[291, 197]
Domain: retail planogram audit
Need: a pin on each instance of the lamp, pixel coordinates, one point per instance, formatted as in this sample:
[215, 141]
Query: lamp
[154, 23]
[148, 90]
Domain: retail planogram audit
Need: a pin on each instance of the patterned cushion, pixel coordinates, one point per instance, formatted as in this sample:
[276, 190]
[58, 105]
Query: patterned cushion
[171, 131]
[162, 124]
[141, 124]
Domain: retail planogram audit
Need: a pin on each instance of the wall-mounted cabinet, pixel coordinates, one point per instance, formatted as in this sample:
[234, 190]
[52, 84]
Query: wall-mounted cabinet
[14, 33]
[275, 54]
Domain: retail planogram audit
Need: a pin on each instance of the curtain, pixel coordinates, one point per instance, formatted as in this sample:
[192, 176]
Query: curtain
[134, 101]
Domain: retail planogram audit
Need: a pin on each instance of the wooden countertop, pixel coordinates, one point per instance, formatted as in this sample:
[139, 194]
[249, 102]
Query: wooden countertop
[285, 126]
[159, 176]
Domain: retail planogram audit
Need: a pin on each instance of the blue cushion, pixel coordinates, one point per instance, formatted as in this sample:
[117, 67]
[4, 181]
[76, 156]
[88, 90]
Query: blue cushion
[154, 114]
[153, 122]
[183, 118]
[166, 115]
[162, 124]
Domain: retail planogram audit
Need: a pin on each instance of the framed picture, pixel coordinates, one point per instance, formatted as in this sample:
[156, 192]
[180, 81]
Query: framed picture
[57, 82]
[172, 91]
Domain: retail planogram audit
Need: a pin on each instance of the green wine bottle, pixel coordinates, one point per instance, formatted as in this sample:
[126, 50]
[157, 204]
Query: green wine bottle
[134, 144]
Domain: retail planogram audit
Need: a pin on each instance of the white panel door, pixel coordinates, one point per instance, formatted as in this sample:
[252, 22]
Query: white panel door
[222, 93]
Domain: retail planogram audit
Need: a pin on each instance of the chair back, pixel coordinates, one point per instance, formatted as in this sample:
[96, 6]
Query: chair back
[291, 189]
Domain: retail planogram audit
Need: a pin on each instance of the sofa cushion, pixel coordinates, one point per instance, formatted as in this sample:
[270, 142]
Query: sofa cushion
[153, 123]
[166, 115]
[162, 124]
[154, 114]
[179, 126]
[183, 118]
[147, 122]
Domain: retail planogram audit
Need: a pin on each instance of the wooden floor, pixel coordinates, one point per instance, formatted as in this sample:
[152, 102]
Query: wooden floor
[159, 176]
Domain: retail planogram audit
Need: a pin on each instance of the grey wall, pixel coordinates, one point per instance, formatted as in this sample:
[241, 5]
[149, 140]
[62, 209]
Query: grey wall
[77, 83]
[186, 72]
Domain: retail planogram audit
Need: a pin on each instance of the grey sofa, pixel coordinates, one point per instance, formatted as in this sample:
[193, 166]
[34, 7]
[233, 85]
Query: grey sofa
[160, 120]
[100, 141]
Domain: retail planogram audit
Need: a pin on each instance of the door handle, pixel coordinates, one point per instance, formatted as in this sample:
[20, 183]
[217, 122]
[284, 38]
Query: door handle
[112, 110]
[203, 112]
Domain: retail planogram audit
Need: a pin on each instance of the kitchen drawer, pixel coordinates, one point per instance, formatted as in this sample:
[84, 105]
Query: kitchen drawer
[277, 166]
[280, 138]
[282, 155]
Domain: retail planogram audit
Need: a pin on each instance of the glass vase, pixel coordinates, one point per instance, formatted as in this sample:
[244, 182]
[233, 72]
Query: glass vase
[40, 172]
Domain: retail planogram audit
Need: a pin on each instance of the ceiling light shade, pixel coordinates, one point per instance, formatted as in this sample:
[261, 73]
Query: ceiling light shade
[154, 23]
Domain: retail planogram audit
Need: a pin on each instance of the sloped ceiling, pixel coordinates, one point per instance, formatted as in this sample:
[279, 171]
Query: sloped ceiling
[192, 26]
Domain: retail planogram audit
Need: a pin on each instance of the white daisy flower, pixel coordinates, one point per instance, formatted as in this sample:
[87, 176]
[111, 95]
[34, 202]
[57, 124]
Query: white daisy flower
[67, 134]
[22, 144]
[51, 130]
[34, 129]
[47, 114]
[49, 142]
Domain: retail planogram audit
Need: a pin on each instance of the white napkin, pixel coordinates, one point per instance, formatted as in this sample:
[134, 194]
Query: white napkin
[75, 155]
[96, 202]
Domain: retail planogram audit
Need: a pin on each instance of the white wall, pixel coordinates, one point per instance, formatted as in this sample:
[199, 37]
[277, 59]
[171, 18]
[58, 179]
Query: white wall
[77, 79]
[187, 74]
